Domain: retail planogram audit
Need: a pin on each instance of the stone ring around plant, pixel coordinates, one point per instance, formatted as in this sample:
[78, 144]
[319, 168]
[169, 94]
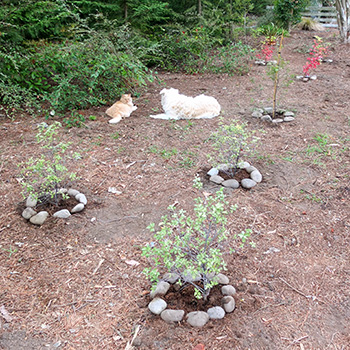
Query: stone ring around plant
[38, 218]
[217, 176]
[266, 114]
[158, 306]
[306, 78]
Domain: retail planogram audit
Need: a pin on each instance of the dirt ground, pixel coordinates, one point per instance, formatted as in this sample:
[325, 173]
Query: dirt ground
[69, 284]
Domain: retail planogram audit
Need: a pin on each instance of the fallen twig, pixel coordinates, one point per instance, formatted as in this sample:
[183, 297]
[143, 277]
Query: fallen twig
[312, 297]
[295, 290]
[129, 345]
[98, 266]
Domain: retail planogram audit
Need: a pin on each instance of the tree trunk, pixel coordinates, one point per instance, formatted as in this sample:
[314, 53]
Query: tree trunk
[343, 19]
[125, 8]
[199, 7]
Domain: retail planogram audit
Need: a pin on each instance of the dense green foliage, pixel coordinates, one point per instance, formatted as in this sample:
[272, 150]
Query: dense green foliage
[72, 54]
[288, 12]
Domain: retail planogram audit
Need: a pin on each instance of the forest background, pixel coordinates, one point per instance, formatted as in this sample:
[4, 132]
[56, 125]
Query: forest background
[61, 55]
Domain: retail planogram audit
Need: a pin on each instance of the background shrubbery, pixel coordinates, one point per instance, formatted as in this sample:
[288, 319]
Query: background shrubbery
[73, 54]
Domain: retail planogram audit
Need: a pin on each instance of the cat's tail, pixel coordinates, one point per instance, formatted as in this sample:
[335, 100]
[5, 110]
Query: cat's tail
[115, 120]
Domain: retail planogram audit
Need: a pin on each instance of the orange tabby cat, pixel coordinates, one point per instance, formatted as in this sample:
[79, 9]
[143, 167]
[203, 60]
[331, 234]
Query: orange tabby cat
[121, 109]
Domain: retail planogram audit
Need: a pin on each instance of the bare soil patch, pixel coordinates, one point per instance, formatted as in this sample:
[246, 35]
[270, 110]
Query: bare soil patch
[69, 282]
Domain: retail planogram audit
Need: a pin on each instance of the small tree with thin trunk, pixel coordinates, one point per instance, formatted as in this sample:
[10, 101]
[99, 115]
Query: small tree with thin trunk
[343, 19]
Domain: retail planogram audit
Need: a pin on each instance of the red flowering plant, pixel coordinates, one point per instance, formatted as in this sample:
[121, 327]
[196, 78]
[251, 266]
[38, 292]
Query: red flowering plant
[318, 51]
[266, 52]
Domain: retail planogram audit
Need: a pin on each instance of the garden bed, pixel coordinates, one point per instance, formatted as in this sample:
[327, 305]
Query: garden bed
[78, 283]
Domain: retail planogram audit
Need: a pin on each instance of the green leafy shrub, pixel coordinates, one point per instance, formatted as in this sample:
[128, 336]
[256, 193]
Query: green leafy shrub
[270, 31]
[230, 142]
[36, 19]
[288, 12]
[76, 120]
[76, 75]
[196, 51]
[232, 59]
[192, 246]
[186, 49]
[45, 175]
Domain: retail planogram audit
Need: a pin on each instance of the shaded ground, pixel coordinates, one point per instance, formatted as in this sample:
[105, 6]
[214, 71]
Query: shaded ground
[68, 285]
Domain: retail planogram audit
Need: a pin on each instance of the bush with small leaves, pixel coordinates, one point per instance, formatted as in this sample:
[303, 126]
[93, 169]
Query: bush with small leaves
[230, 142]
[193, 246]
[44, 176]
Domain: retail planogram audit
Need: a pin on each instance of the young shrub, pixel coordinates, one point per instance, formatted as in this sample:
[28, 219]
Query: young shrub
[44, 176]
[232, 59]
[230, 142]
[192, 246]
[316, 54]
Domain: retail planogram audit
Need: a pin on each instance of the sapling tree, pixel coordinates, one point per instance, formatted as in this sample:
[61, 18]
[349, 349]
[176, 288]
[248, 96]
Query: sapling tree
[192, 246]
[45, 175]
[279, 74]
[230, 142]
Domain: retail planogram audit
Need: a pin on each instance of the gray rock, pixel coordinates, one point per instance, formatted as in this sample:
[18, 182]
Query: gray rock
[161, 289]
[172, 315]
[72, 192]
[266, 118]
[305, 79]
[114, 191]
[277, 120]
[171, 277]
[80, 197]
[256, 176]
[157, 306]
[62, 190]
[28, 213]
[62, 214]
[39, 218]
[288, 119]
[268, 110]
[31, 202]
[187, 277]
[288, 114]
[250, 169]
[213, 171]
[197, 318]
[248, 183]
[313, 77]
[231, 183]
[228, 303]
[224, 167]
[260, 62]
[137, 341]
[216, 179]
[299, 77]
[272, 62]
[222, 279]
[79, 207]
[256, 114]
[216, 313]
[281, 111]
[243, 165]
[272, 250]
[228, 290]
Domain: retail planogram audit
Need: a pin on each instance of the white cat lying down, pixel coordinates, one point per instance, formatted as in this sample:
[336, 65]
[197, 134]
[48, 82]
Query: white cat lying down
[177, 106]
